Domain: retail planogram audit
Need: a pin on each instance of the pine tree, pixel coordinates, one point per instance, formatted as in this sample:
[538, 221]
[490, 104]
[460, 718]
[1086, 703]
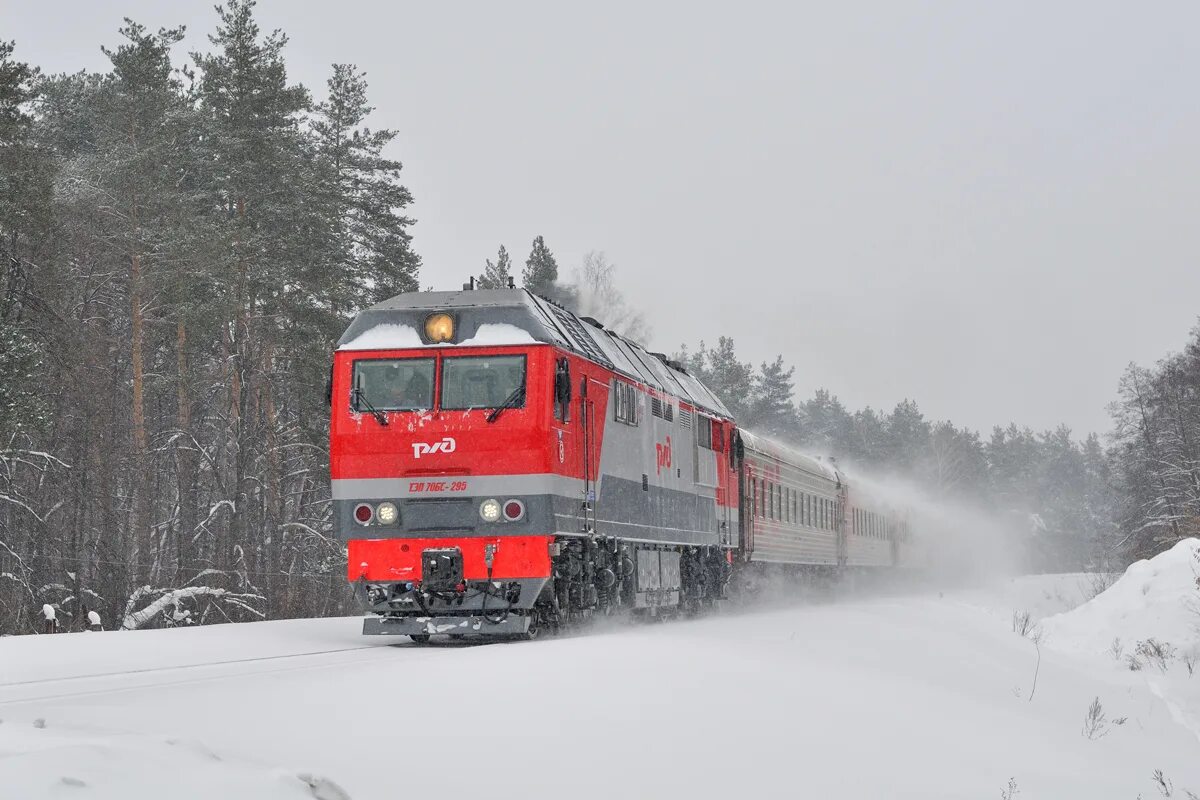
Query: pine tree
[540, 275]
[907, 435]
[731, 379]
[826, 426]
[371, 255]
[772, 407]
[497, 275]
[24, 211]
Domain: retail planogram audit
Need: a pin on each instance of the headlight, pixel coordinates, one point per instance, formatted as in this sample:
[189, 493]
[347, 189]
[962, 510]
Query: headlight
[439, 328]
[386, 513]
[489, 510]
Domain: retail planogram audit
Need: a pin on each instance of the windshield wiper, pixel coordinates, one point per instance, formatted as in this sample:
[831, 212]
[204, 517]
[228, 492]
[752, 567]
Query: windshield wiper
[512, 401]
[360, 399]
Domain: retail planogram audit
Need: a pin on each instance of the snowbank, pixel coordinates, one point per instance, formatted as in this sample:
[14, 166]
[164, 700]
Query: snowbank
[1156, 598]
[390, 336]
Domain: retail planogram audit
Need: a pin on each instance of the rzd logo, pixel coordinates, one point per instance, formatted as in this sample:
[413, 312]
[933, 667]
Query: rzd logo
[662, 454]
[446, 445]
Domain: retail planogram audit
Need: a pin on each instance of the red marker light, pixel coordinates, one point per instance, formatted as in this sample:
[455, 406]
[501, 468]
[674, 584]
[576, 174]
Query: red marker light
[363, 513]
[514, 510]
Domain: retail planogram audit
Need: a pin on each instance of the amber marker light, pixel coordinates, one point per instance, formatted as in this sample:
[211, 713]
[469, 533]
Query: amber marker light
[439, 328]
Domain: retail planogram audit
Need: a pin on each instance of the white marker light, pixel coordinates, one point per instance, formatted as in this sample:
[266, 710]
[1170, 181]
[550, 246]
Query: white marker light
[489, 510]
[386, 513]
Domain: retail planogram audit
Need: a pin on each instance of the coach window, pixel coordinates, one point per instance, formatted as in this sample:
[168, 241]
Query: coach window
[392, 384]
[704, 432]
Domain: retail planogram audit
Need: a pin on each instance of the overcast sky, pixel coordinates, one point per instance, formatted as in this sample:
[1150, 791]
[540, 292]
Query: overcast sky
[988, 207]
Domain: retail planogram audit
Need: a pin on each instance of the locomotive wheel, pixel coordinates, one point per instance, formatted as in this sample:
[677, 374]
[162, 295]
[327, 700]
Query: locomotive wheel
[419, 638]
[535, 627]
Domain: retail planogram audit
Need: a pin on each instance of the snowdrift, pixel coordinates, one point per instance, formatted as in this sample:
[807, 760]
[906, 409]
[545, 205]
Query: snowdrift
[1156, 598]
[45, 760]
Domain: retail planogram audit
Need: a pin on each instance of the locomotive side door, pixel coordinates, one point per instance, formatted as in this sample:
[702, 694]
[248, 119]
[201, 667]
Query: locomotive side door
[593, 404]
[566, 444]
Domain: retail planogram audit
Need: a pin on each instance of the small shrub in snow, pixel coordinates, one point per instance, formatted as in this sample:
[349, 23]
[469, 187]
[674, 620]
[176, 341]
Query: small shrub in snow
[1167, 789]
[1189, 661]
[1095, 724]
[1022, 622]
[1134, 664]
[1116, 648]
[1010, 791]
[1098, 582]
[1155, 652]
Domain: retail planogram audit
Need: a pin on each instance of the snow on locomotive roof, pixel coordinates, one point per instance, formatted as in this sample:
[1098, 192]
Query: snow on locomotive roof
[516, 316]
[762, 444]
[391, 336]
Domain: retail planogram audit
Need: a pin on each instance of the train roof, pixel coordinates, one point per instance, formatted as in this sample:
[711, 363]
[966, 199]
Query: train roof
[517, 316]
[781, 452]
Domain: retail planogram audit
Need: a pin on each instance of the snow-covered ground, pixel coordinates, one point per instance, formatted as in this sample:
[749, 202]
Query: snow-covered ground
[911, 696]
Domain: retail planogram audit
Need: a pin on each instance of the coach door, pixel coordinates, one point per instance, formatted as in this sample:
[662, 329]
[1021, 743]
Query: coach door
[842, 525]
[726, 466]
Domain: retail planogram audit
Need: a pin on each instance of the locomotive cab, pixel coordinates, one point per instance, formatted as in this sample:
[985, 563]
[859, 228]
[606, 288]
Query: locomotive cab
[449, 449]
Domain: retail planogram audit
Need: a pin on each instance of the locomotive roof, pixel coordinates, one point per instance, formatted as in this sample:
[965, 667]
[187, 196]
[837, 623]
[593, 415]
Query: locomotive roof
[525, 313]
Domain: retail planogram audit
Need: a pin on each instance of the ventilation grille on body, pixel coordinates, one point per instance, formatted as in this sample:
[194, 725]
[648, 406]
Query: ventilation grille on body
[580, 337]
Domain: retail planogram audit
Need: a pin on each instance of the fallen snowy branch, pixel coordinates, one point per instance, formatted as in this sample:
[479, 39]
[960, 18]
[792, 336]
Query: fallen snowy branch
[175, 598]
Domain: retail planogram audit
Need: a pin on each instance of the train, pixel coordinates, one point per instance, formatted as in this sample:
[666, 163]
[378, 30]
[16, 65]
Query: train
[502, 467]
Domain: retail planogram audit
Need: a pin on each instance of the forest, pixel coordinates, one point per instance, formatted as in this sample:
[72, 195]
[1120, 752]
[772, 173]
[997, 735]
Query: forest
[181, 244]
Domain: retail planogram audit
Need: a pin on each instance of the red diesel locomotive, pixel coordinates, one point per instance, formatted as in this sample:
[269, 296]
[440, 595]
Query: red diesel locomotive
[500, 465]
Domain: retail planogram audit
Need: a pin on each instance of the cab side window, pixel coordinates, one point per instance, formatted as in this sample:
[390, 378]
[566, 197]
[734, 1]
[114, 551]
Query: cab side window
[562, 390]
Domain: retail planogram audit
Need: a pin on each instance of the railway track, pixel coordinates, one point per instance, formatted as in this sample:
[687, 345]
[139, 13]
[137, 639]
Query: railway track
[72, 686]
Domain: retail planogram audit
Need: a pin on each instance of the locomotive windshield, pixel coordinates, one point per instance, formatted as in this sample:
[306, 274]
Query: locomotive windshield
[483, 382]
[393, 384]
